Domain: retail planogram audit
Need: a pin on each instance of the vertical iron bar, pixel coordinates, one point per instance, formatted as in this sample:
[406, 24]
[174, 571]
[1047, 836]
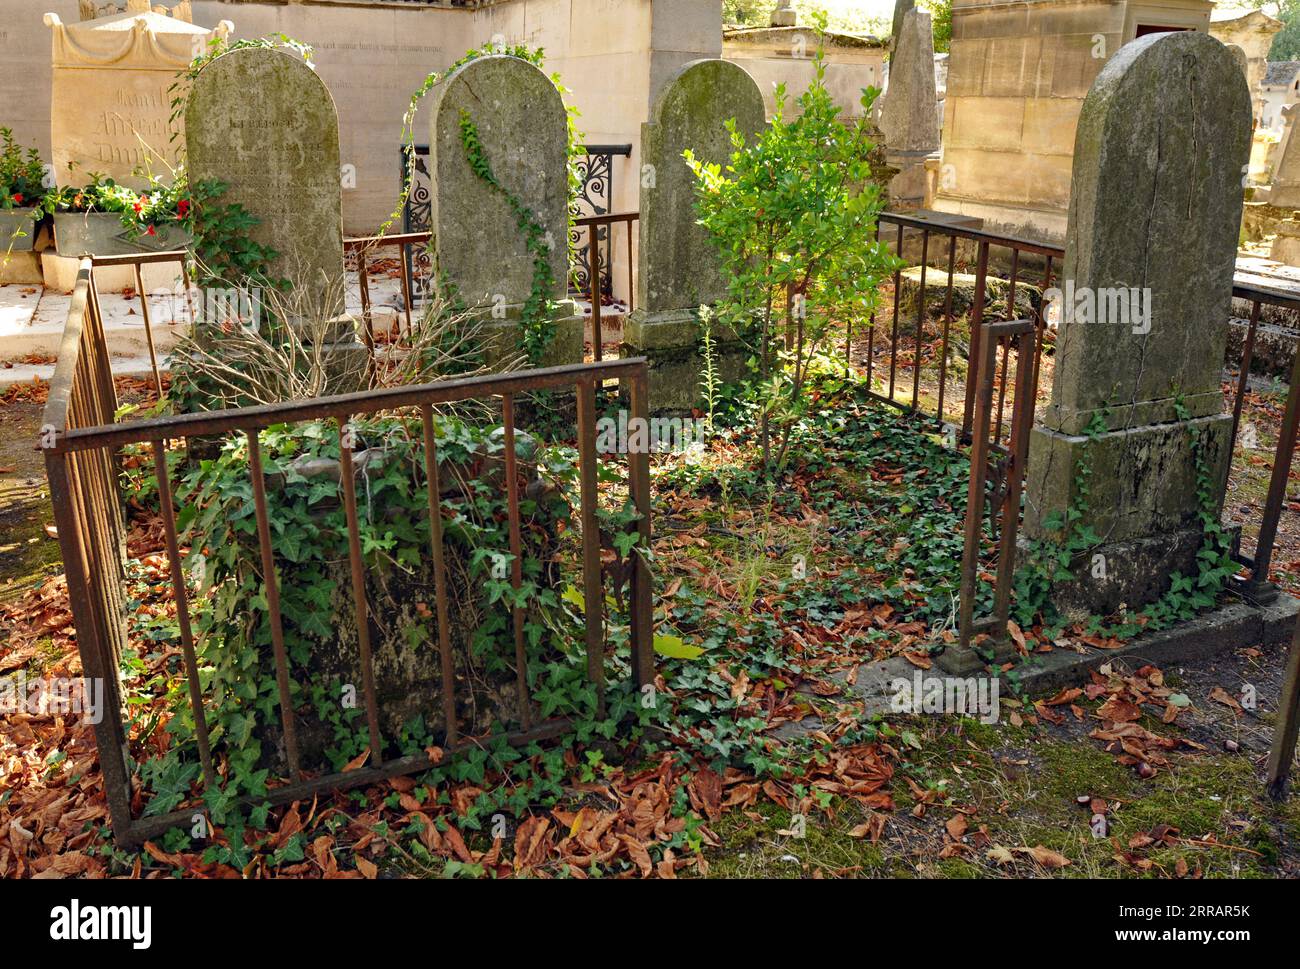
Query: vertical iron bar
[406, 284]
[273, 603]
[439, 574]
[347, 473]
[183, 613]
[189, 291]
[593, 585]
[148, 329]
[593, 269]
[1041, 320]
[871, 327]
[517, 557]
[1002, 388]
[893, 332]
[920, 321]
[979, 452]
[976, 334]
[1022, 418]
[363, 284]
[641, 598]
[947, 326]
[631, 280]
[1011, 288]
[1243, 379]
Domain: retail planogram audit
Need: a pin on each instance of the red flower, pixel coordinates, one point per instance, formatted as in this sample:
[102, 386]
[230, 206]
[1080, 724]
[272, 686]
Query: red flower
[182, 208]
[149, 231]
[18, 197]
[138, 206]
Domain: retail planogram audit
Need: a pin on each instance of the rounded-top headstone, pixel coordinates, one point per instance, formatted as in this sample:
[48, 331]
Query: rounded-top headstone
[262, 122]
[679, 263]
[1155, 211]
[522, 129]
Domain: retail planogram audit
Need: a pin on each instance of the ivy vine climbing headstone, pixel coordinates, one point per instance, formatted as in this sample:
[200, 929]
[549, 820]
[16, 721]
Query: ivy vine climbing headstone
[1155, 210]
[498, 163]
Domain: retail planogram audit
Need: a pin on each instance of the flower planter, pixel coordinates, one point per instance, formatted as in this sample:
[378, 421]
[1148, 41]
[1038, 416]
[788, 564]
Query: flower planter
[89, 233]
[18, 229]
[102, 234]
[164, 239]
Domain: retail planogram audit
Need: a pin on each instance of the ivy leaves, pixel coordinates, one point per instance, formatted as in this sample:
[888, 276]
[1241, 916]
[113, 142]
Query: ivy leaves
[793, 216]
[538, 307]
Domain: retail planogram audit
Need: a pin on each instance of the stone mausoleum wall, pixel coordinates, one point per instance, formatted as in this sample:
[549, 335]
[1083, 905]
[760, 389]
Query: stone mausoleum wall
[1018, 71]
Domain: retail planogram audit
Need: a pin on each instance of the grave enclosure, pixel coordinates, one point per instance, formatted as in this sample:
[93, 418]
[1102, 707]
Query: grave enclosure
[1154, 210]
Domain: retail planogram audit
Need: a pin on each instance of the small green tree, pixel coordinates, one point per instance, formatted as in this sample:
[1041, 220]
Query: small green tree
[793, 215]
[941, 20]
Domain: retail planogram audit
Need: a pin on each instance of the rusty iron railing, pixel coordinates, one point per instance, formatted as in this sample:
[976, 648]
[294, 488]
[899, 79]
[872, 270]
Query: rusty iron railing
[1258, 585]
[1002, 461]
[593, 224]
[81, 441]
[997, 472]
[944, 236]
[359, 249]
[138, 260]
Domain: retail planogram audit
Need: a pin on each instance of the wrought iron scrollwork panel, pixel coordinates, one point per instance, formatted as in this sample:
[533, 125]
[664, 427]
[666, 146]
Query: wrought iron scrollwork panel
[596, 169]
[417, 216]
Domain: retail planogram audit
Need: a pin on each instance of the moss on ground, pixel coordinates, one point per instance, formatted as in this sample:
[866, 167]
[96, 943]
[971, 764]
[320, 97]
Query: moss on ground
[1022, 784]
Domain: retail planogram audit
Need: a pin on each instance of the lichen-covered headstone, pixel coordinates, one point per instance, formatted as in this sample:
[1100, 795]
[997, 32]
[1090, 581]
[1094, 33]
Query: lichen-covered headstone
[1155, 210]
[263, 123]
[498, 163]
[909, 110]
[901, 9]
[678, 268]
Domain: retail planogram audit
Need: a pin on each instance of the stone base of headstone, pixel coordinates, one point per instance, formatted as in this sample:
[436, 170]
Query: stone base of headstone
[907, 189]
[1259, 220]
[1142, 503]
[1136, 573]
[671, 344]
[1286, 244]
[501, 337]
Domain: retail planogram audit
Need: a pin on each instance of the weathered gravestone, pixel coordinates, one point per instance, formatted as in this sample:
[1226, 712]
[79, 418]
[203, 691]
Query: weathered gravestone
[498, 166]
[1285, 160]
[678, 267]
[1155, 209]
[909, 111]
[901, 9]
[1284, 191]
[263, 123]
